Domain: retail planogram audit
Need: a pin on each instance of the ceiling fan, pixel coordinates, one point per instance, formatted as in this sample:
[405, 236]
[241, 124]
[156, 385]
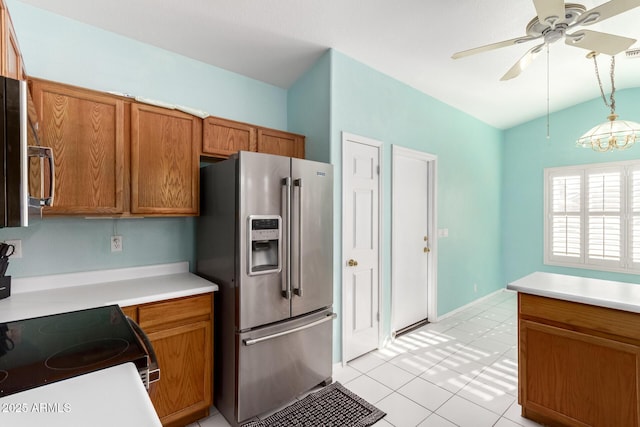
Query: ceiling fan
[555, 18]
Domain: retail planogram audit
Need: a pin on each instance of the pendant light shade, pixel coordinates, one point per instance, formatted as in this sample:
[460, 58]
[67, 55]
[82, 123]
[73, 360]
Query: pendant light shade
[612, 135]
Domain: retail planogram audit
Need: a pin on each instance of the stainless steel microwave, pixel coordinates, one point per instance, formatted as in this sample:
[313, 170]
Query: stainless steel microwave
[27, 181]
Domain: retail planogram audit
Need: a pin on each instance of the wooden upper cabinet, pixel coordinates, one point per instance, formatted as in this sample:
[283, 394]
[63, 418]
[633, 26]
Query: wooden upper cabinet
[11, 63]
[222, 138]
[281, 143]
[164, 161]
[85, 129]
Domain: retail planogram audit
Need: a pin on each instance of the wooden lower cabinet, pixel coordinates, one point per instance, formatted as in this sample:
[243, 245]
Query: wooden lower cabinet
[579, 365]
[181, 332]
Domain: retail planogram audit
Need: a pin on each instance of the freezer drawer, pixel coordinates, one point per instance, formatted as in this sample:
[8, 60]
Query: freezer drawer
[278, 363]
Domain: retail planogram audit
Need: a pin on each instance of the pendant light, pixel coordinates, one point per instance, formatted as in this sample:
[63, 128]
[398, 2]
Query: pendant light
[614, 134]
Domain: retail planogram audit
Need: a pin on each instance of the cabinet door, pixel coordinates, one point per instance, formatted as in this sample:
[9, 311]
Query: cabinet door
[164, 161]
[185, 359]
[282, 143]
[222, 138]
[12, 64]
[85, 129]
[577, 379]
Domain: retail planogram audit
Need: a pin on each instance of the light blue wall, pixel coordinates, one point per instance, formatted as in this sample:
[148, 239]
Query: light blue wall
[368, 103]
[60, 49]
[64, 50]
[526, 153]
[309, 109]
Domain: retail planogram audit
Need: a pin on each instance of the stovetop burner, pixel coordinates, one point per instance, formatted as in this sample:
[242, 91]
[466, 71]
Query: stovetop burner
[53, 348]
[87, 354]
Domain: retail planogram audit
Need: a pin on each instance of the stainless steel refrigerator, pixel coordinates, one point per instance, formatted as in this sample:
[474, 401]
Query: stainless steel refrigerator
[265, 236]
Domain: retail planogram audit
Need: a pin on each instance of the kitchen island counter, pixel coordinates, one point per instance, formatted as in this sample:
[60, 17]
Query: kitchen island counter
[602, 293]
[578, 350]
[45, 295]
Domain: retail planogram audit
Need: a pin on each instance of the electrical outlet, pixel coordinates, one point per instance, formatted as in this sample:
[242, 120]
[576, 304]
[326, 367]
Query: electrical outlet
[116, 243]
[17, 248]
[475, 287]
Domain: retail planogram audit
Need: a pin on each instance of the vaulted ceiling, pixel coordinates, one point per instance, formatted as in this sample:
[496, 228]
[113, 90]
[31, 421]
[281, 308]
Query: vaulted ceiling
[276, 41]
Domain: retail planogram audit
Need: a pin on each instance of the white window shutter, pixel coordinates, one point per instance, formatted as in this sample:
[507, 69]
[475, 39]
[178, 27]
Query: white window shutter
[604, 222]
[566, 210]
[635, 218]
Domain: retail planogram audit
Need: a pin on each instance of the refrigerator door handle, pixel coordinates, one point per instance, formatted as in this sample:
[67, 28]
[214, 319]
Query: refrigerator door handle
[290, 331]
[298, 256]
[286, 274]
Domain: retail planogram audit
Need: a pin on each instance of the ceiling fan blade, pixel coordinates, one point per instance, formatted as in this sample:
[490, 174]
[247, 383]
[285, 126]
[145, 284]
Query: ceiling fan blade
[608, 44]
[549, 11]
[607, 10]
[492, 46]
[523, 63]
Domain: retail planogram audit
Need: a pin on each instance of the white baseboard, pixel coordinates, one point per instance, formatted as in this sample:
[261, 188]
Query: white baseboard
[471, 304]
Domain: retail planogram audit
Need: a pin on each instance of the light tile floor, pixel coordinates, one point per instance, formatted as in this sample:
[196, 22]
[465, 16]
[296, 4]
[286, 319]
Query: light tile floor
[461, 371]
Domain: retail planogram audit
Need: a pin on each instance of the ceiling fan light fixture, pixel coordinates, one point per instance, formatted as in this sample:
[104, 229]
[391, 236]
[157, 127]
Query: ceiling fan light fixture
[612, 135]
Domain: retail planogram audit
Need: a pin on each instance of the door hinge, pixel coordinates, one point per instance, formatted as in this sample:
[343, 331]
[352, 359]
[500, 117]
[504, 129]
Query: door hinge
[378, 316]
[378, 169]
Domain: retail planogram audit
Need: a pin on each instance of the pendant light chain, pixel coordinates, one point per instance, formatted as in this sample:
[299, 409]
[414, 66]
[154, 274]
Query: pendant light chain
[612, 101]
[613, 134]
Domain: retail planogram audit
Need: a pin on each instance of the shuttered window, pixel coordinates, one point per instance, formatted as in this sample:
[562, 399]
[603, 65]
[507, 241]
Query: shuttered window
[604, 216]
[593, 216]
[634, 195]
[566, 215]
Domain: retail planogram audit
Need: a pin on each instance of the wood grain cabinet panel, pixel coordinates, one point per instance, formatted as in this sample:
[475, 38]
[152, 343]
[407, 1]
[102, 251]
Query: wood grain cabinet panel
[11, 63]
[572, 373]
[222, 138]
[164, 161]
[85, 129]
[181, 332]
[281, 143]
[185, 371]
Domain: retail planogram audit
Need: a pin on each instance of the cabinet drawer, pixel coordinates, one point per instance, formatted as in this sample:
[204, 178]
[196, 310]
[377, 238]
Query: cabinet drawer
[580, 316]
[174, 311]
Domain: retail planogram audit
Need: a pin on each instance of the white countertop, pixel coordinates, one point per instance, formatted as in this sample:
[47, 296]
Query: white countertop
[111, 397]
[42, 296]
[603, 293]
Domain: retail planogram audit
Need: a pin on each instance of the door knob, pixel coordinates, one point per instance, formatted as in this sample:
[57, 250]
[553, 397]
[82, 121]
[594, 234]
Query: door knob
[352, 263]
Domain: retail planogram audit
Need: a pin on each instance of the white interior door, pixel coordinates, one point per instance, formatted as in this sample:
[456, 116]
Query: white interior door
[361, 241]
[413, 242]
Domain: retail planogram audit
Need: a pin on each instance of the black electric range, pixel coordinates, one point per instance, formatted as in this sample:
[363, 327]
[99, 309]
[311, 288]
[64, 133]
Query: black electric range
[42, 350]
